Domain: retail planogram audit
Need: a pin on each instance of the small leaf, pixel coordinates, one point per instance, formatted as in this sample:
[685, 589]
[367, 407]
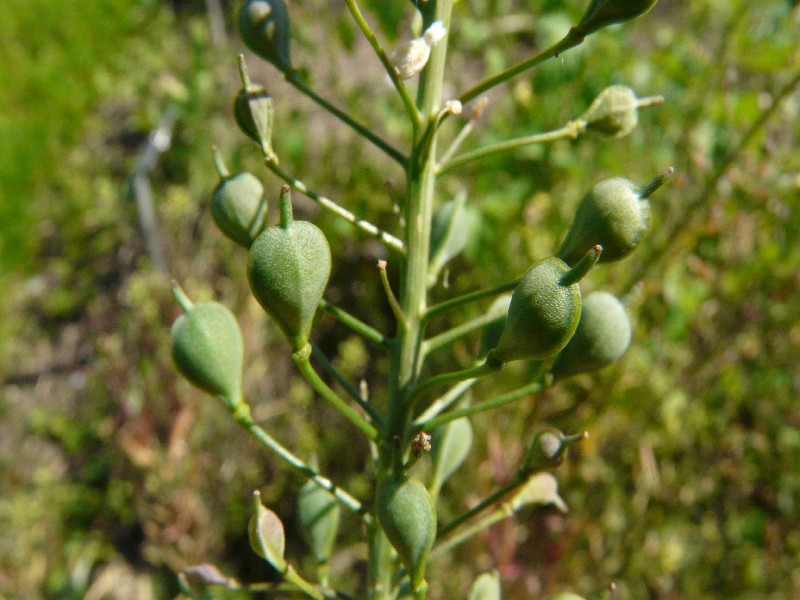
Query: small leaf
[267, 537]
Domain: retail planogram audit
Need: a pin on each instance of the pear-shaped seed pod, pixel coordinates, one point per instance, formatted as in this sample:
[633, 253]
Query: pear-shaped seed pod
[615, 214]
[602, 337]
[264, 27]
[207, 348]
[407, 515]
[318, 514]
[602, 13]
[614, 112]
[237, 205]
[288, 271]
[544, 311]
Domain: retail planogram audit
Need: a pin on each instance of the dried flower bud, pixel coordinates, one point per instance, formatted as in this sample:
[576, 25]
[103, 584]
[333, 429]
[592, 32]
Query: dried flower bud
[411, 57]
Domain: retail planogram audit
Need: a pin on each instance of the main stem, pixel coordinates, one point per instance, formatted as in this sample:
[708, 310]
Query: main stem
[405, 356]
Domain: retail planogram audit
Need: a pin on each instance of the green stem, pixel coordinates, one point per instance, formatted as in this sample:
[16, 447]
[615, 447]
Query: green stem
[242, 416]
[293, 79]
[571, 130]
[442, 307]
[405, 360]
[357, 325]
[391, 242]
[411, 108]
[572, 39]
[350, 389]
[444, 401]
[301, 359]
[492, 498]
[473, 372]
[451, 335]
[490, 404]
[393, 303]
[304, 586]
[447, 545]
[456, 143]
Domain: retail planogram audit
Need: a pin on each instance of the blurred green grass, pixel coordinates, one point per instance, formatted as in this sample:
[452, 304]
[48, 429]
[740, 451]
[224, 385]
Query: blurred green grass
[114, 470]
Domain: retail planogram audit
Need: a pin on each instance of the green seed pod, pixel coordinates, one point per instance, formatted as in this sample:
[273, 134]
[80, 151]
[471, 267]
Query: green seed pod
[486, 587]
[602, 13]
[615, 111]
[615, 214]
[544, 311]
[318, 514]
[237, 205]
[407, 515]
[602, 337]
[264, 27]
[451, 444]
[254, 113]
[288, 270]
[207, 348]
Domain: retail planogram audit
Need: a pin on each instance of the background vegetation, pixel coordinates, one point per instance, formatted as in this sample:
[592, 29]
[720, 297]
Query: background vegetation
[115, 474]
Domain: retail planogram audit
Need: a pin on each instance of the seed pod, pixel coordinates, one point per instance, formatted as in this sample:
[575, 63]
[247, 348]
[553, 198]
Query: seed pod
[237, 205]
[264, 27]
[544, 311]
[602, 337]
[451, 445]
[318, 514]
[486, 587]
[254, 113]
[614, 112]
[407, 515]
[615, 214]
[207, 348]
[288, 270]
[602, 13]
[266, 534]
[566, 596]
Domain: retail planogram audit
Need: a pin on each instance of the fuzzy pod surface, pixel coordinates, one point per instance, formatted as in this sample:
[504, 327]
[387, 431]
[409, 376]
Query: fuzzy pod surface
[602, 13]
[264, 27]
[288, 270]
[207, 349]
[602, 337]
[238, 207]
[613, 214]
[542, 315]
[407, 515]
